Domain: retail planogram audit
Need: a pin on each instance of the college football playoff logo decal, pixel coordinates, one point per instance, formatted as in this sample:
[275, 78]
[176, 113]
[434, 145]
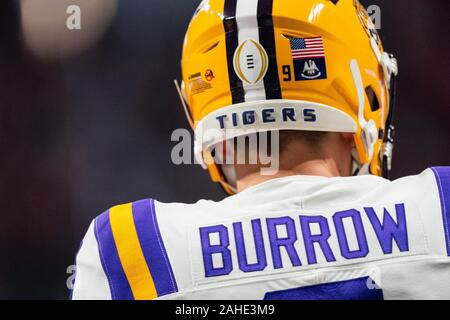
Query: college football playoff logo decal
[250, 62]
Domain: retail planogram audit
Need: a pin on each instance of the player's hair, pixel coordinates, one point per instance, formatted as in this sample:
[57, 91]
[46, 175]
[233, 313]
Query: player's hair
[286, 138]
[314, 139]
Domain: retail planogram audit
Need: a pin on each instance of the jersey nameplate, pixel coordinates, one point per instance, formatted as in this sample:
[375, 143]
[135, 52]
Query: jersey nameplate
[261, 244]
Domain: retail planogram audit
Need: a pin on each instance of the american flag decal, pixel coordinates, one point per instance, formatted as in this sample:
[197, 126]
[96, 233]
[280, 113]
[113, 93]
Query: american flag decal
[308, 55]
[307, 48]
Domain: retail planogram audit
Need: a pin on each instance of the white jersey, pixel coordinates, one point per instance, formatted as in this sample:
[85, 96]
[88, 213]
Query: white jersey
[297, 237]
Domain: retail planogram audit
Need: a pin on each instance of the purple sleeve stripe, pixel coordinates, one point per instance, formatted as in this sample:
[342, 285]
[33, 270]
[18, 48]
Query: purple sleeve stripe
[109, 256]
[443, 181]
[153, 247]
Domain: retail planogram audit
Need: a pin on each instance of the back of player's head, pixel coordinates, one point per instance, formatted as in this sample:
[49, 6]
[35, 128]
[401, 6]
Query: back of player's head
[265, 65]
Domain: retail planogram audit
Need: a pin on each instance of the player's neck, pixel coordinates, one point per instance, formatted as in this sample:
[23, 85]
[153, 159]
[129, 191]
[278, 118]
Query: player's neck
[325, 167]
[331, 159]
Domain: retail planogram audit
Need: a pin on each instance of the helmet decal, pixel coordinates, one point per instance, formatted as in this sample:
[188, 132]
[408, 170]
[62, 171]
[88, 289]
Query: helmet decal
[250, 62]
[251, 51]
[308, 55]
[197, 83]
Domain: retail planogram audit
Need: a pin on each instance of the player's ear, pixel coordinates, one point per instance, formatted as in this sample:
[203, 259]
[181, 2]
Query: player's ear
[349, 138]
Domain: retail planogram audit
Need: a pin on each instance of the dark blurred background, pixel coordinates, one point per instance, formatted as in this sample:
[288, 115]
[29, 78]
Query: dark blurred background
[86, 119]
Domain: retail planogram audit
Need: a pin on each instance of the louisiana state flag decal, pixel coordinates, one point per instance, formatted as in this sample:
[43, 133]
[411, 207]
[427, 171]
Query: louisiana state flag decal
[308, 56]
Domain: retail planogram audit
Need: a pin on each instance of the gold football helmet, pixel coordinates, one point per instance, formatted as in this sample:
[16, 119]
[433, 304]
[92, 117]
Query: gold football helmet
[288, 65]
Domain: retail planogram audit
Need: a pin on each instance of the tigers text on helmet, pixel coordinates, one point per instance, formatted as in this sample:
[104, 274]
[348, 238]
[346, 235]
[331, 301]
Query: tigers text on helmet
[322, 57]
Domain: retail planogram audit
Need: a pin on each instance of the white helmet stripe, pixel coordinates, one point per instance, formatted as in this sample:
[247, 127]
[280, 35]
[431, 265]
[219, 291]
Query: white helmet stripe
[247, 22]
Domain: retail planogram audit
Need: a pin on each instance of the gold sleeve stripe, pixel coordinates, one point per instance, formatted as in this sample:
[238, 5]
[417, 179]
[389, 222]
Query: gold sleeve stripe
[130, 253]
